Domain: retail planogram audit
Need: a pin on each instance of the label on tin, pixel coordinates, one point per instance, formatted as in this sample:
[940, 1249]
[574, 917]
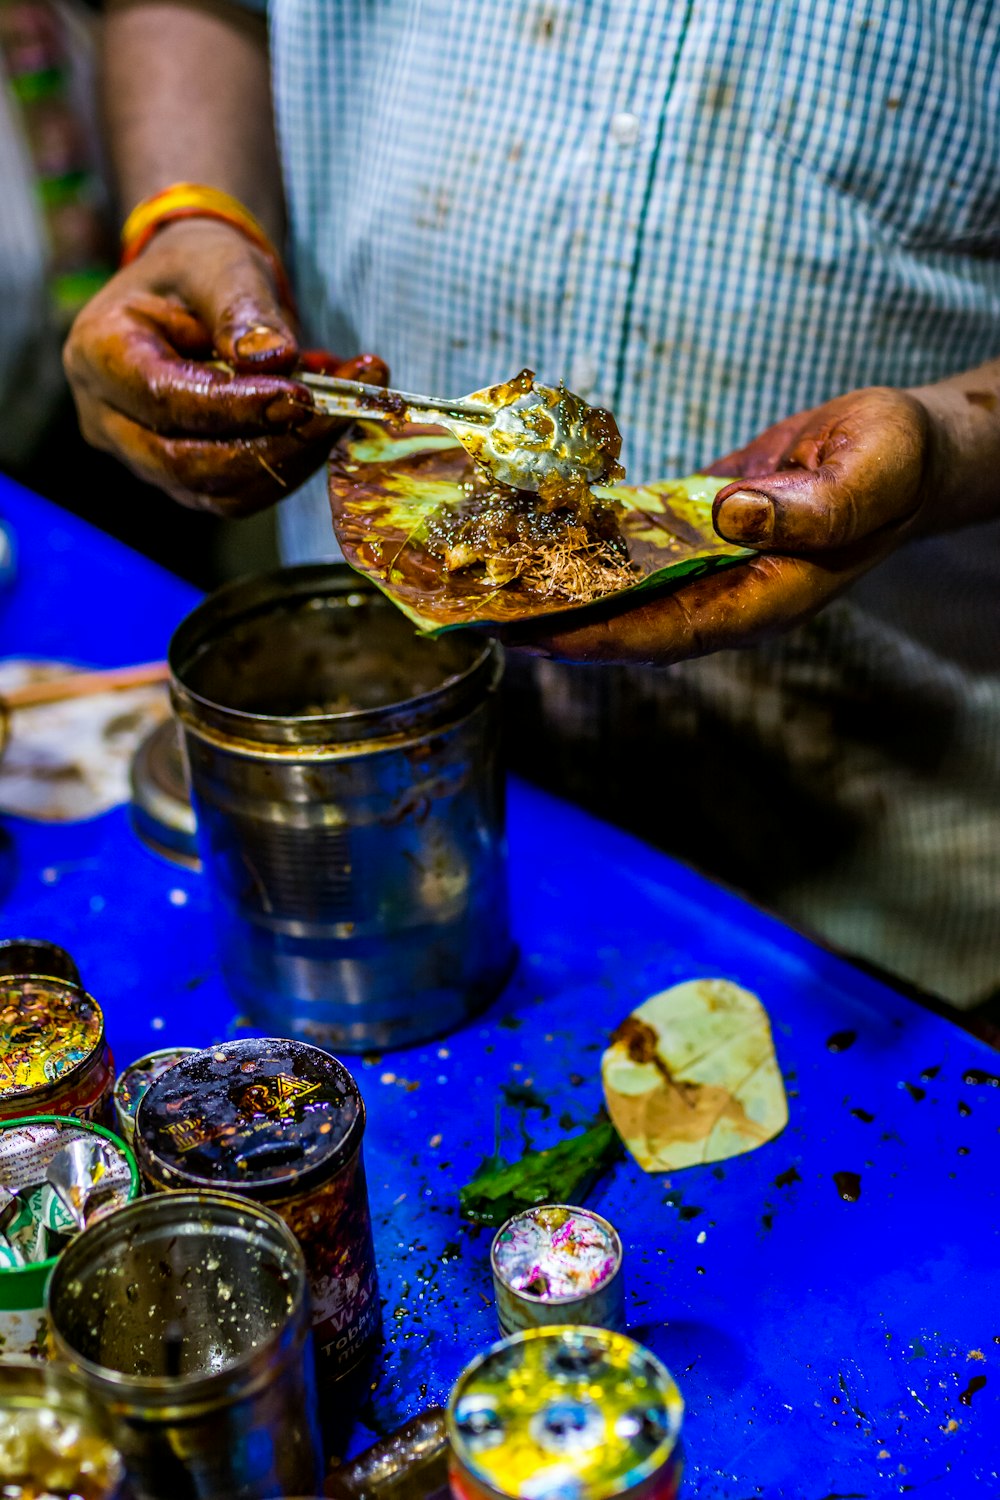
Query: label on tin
[46, 1030]
[565, 1414]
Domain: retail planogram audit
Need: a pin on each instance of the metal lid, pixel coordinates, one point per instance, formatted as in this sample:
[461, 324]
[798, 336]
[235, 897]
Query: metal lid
[266, 1116]
[162, 814]
[559, 1412]
[49, 1030]
[37, 956]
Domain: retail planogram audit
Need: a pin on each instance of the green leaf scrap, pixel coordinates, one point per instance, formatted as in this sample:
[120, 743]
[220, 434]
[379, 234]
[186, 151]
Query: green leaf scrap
[563, 1173]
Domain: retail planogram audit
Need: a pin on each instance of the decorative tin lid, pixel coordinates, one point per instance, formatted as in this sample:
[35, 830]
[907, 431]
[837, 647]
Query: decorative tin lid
[48, 1030]
[267, 1116]
[564, 1414]
[556, 1253]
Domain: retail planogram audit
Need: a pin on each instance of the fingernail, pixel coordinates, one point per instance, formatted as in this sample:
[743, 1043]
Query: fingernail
[286, 411]
[745, 517]
[260, 340]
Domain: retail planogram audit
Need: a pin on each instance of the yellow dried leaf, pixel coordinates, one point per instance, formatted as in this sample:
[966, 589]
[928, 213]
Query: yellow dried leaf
[691, 1076]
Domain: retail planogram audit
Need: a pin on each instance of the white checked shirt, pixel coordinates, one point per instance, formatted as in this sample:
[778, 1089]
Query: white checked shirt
[705, 214]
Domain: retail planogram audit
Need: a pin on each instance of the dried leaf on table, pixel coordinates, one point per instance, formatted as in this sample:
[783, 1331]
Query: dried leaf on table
[691, 1076]
[391, 487]
[563, 1173]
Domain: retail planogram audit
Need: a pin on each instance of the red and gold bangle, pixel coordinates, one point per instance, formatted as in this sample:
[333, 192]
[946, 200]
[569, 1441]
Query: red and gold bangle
[193, 200]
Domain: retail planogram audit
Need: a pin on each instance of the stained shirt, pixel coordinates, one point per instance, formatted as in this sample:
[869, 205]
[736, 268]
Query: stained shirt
[705, 215]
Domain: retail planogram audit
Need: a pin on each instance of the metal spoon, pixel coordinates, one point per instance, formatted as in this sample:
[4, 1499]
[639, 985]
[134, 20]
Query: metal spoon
[527, 436]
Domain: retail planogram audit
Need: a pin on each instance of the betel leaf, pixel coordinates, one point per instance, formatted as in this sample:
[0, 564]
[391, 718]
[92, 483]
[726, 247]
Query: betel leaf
[563, 1173]
[691, 1076]
[386, 483]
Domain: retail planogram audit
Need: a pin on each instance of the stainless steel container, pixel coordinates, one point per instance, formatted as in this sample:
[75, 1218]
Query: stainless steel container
[53, 1442]
[187, 1317]
[346, 781]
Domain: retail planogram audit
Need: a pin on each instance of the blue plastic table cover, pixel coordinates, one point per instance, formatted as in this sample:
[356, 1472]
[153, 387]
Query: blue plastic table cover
[824, 1348]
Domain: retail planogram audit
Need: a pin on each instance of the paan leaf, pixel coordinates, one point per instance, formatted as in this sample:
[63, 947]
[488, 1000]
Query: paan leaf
[386, 484]
[691, 1076]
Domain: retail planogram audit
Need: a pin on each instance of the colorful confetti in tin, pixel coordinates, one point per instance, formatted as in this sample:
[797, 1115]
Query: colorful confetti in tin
[134, 1081]
[565, 1414]
[281, 1122]
[558, 1264]
[54, 1058]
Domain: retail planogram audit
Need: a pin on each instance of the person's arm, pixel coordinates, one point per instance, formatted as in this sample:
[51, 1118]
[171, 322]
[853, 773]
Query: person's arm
[187, 98]
[823, 496]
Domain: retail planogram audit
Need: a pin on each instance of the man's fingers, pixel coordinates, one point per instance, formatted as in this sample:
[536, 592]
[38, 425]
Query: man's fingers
[845, 480]
[132, 364]
[228, 477]
[231, 289]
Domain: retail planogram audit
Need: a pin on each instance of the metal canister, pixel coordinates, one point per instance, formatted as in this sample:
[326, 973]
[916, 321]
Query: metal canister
[54, 1057]
[53, 1442]
[134, 1081]
[565, 1412]
[37, 956]
[186, 1315]
[283, 1123]
[558, 1264]
[26, 1149]
[346, 779]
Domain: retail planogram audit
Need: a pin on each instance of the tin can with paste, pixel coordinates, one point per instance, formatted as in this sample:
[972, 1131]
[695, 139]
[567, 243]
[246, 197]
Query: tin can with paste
[283, 1123]
[557, 1412]
[134, 1081]
[53, 1441]
[186, 1315]
[26, 1149]
[54, 1057]
[557, 1264]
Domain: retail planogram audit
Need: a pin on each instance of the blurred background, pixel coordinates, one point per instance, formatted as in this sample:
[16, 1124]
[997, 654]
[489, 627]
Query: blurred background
[58, 242]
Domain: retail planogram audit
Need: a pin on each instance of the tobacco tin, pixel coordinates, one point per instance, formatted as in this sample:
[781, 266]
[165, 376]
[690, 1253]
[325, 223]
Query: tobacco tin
[20, 956]
[565, 1414]
[54, 1057]
[281, 1122]
[558, 1264]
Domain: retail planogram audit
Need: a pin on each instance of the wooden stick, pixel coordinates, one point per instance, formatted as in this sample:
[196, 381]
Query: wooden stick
[85, 684]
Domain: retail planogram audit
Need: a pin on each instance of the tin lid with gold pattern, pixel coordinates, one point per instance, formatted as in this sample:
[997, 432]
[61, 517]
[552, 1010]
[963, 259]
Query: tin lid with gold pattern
[266, 1116]
[49, 1030]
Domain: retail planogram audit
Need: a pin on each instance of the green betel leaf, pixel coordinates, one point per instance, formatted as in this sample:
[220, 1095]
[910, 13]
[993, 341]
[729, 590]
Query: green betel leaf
[387, 486]
[563, 1173]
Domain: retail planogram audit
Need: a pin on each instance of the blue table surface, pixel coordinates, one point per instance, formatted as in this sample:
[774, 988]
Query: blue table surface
[824, 1348]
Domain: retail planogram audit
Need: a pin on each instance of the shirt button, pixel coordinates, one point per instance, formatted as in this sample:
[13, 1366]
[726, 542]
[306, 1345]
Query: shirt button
[583, 374]
[625, 128]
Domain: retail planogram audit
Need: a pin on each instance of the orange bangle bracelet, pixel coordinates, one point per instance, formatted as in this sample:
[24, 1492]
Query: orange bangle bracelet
[193, 200]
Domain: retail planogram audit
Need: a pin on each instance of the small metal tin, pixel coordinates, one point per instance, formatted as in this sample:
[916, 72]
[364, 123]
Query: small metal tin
[186, 1315]
[19, 956]
[26, 1148]
[282, 1123]
[53, 1441]
[54, 1057]
[558, 1264]
[133, 1082]
[565, 1414]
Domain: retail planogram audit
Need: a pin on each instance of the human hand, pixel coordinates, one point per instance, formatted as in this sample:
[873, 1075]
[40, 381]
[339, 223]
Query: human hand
[137, 359]
[824, 495]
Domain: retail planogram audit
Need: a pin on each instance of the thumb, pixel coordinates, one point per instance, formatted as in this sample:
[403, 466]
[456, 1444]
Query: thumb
[845, 486]
[233, 292]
